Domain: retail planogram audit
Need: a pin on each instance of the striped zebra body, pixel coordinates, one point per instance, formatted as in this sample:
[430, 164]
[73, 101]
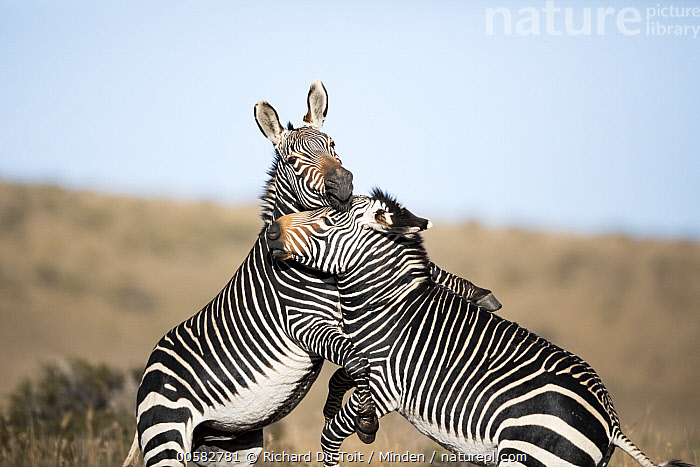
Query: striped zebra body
[472, 381]
[493, 386]
[247, 358]
[233, 366]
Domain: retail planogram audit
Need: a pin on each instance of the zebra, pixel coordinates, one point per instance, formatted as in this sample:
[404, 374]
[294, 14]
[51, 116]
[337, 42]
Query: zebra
[248, 357]
[472, 381]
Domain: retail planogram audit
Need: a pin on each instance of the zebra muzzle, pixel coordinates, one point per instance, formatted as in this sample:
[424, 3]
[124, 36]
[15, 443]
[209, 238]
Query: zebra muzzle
[274, 232]
[339, 187]
[278, 252]
[274, 242]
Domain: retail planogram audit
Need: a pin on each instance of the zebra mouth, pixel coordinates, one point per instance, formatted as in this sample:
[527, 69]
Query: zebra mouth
[337, 203]
[277, 251]
[280, 255]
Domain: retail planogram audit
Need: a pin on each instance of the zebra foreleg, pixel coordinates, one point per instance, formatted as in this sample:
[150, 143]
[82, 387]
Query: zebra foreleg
[475, 294]
[338, 385]
[337, 429]
[329, 343]
[366, 421]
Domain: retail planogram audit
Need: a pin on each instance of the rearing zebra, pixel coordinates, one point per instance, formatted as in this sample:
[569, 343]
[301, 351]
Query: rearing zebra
[470, 380]
[248, 357]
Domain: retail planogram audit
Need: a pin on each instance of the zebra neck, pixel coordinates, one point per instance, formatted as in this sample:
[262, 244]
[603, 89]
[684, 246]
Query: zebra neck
[384, 280]
[278, 199]
[284, 206]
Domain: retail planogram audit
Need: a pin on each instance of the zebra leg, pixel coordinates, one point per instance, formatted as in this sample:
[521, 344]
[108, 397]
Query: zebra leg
[166, 436]
[329, 343]
[165, 419]
[220, 448]
[337, 429]
[338, 385]
[366, 421]
[482, 297]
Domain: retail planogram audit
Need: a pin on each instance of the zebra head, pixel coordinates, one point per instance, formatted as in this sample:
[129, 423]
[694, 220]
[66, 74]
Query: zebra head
[307, 172]
[333, 241]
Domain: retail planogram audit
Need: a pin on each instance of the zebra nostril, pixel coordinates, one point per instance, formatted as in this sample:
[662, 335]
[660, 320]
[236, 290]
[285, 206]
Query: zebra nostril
[347, 174]
[274, 231]
[339, 183]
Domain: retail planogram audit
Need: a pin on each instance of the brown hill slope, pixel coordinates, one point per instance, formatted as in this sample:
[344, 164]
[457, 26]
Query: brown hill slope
[103, 277]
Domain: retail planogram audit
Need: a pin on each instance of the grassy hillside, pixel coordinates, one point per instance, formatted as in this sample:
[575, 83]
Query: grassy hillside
[103, 277]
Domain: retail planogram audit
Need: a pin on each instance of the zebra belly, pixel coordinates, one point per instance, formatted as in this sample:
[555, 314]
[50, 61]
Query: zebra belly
[451, 441]
[272, 397]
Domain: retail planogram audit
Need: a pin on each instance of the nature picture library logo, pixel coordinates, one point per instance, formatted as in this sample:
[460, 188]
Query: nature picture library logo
[556, 18]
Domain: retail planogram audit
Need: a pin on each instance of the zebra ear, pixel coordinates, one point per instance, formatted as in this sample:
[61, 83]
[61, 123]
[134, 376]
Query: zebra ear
[317, 105]
[268, 121]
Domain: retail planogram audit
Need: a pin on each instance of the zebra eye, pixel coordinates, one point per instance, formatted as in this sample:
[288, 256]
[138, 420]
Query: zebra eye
[379, 215]
[292, 159]
[327, 221]
[333, 144]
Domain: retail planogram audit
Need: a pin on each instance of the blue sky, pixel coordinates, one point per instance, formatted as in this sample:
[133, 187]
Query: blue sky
[590, 133]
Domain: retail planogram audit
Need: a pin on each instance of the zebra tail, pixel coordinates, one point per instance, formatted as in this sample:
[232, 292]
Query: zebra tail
[621, 441]
[133, 457]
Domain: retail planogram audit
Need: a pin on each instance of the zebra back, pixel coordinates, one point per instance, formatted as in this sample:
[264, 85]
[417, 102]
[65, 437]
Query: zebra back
[471, 380]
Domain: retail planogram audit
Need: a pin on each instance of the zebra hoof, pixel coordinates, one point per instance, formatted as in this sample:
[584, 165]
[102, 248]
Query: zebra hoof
[366, 428]
[367, 438]
[489, 303]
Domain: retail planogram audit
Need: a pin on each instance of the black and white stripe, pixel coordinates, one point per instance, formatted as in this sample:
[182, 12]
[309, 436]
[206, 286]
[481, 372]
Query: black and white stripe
[470, 380]
[248, 357]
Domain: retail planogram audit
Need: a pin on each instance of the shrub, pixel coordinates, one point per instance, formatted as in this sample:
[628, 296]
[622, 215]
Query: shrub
[68, 399]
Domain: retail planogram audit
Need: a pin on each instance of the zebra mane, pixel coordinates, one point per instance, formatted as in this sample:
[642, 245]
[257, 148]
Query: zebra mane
[386, 198]
[269, 195]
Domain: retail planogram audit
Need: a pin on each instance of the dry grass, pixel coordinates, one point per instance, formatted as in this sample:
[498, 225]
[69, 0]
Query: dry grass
[103, 277]
[58, 451]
